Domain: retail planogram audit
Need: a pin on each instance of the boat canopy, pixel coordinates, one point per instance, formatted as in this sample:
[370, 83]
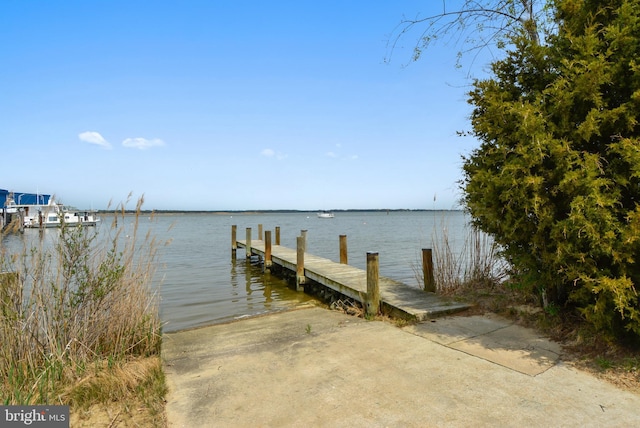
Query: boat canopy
[24, 198]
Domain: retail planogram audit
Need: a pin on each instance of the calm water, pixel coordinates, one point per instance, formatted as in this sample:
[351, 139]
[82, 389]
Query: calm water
[200, 284]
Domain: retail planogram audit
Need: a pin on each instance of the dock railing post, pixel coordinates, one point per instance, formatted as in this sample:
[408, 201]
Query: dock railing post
[372, 304]
[234, 241]
[267, 250]
[299, 262]
[427, 270]
[343, 250]
[277, 235]
[259, 232]
[248, 244]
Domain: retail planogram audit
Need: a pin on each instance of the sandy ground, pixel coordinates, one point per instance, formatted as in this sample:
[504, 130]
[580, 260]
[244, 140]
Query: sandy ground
[321, 368]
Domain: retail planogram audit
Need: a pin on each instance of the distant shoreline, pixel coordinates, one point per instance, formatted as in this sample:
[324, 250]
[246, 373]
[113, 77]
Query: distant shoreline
[275, 211]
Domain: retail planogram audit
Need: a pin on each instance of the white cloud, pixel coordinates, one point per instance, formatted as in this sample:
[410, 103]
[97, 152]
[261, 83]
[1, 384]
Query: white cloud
[142, 143]
[335, 155]
[93, 137]
[270, 153]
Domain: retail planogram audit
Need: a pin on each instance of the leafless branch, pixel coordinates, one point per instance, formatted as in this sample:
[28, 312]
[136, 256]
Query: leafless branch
[477, 25]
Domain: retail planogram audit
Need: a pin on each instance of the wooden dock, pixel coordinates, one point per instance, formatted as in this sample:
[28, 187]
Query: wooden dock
[395, 298]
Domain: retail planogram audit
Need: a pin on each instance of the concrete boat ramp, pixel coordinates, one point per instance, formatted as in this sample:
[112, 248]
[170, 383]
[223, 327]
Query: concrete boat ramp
[314, 367]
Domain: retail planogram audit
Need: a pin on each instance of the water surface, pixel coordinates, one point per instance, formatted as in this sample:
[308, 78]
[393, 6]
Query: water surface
[201, 284]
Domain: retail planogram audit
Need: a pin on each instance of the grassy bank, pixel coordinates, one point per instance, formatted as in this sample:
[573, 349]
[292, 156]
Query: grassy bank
[79, 322]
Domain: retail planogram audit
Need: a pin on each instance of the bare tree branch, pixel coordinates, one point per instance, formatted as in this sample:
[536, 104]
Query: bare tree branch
[476, 25]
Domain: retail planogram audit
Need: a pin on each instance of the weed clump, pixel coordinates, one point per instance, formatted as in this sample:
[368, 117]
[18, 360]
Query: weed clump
[461, 267]
[76, 303]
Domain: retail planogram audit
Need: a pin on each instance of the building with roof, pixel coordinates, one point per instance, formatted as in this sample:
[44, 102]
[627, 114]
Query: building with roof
[20, 198]
[14, 205]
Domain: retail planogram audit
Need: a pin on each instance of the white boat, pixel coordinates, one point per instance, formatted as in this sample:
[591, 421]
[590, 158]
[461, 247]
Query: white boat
[10, 206]
[9, 212]
[325, 214]
[56, 215]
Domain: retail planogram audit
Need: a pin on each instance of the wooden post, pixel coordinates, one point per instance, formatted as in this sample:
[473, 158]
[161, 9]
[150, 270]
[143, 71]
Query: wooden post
[259, 232]
[303, 234]
[372, 304]
[267, 250]
[248, 242]
[343, 250]
[277, 235]
[234, 241]
[299, 262]
[427, 270]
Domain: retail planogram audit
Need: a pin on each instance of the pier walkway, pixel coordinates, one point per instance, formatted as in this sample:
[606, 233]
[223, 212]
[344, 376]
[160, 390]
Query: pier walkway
[397, 299]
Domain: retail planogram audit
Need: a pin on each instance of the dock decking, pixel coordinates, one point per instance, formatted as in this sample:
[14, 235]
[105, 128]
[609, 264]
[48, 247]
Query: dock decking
[397, 299]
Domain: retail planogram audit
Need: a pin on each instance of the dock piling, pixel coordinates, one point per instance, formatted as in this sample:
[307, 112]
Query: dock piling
[234, 241]
[303, 234]
[372, 305]
[259, 232]
[343, 250]
[299, 262]
[267, 250]
[427, 270]
[248, 246]
[277, 235]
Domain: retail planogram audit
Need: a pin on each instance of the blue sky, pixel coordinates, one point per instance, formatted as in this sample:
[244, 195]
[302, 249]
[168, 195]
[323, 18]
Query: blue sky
[229, 105]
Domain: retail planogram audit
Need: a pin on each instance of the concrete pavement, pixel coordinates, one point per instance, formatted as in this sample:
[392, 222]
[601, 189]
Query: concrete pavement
[319, 368]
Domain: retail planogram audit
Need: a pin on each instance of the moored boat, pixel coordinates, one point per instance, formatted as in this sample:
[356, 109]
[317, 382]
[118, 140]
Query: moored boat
[325, 214]
[57, 215]
[10, 212]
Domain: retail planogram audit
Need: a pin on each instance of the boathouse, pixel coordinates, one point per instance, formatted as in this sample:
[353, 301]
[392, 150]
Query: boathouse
[23, 198]
[14, 203]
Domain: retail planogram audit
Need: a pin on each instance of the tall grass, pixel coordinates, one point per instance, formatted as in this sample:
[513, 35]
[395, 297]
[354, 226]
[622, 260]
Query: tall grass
[471, 264]
[74, 306]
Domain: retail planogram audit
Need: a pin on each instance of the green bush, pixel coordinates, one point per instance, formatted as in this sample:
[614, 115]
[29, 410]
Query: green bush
[556, 179]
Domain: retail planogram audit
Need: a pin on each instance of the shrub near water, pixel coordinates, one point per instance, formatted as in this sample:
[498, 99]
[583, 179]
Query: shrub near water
[556, 178]
[74, 308]
[474, 263]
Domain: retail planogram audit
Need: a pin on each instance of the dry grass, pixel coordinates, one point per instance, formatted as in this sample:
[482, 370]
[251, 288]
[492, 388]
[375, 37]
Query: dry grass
[127, 394]
[462, 267]
[79, 315]
[349, 307]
